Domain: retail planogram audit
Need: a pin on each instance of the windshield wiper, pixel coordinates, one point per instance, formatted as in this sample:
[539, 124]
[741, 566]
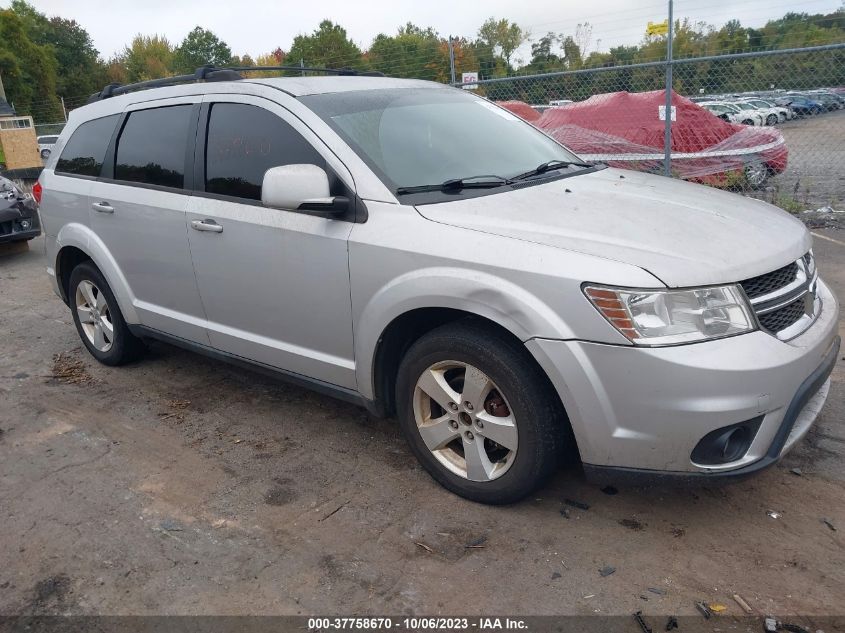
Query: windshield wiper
[542, 168]
[456, 184]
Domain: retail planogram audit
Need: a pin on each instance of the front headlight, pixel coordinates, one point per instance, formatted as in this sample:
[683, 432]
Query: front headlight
[671, 317]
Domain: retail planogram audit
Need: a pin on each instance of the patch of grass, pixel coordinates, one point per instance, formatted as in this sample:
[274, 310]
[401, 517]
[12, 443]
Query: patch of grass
[788, 204]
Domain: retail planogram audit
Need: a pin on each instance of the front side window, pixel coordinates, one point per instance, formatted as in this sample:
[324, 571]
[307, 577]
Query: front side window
[419, 137]
[84, 153]
[152, 146]
[243, 142]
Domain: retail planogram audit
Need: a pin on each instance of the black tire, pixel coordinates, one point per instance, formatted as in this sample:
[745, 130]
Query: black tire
[45, 153]
[542, 427]
[125, 346]
[772, 119]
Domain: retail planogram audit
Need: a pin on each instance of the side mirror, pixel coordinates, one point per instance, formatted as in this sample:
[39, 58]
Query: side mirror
[301, 188]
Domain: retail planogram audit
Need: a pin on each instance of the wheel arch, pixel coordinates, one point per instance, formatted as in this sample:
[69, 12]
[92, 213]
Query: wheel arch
[76, 243]
[407, 328]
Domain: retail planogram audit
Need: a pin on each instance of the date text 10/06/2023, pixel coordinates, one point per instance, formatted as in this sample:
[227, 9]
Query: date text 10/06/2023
[416, 624]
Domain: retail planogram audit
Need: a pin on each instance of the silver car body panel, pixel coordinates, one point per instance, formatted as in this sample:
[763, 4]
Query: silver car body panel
[313, 296]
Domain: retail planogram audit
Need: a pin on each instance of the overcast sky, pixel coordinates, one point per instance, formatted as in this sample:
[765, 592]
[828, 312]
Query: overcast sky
[259, 26]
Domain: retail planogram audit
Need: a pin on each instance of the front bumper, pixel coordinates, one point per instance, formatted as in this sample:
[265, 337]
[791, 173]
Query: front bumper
[641, 411]
[12, 215]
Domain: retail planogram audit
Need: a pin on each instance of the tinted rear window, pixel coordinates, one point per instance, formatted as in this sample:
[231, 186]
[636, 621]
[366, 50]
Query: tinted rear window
[84, 153]
[151, 147]
[245, 141]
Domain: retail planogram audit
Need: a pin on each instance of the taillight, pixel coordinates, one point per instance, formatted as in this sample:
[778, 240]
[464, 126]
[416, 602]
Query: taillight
[36, 192]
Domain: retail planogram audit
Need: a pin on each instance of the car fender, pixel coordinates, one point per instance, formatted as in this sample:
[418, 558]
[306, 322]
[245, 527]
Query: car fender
[83, 238]
[476, 292]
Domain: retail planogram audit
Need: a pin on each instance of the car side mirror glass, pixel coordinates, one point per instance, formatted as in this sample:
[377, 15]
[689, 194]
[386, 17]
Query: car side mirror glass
[301, 188]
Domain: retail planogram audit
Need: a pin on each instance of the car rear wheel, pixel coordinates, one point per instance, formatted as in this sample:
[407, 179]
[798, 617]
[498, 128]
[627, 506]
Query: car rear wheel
[478, 413]
[98, 319]
[771, 119]
[45, 153]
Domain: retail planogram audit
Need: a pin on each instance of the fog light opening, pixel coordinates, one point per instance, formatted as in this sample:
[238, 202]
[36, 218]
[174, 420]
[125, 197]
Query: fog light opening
[727, 444]
[735, 444]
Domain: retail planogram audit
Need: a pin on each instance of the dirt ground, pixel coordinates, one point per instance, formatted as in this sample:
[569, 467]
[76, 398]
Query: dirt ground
[814, 177]
[179, 485]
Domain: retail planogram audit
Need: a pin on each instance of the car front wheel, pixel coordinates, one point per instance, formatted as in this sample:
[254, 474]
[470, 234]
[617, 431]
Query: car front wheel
[98, 319]
[478, 413]
[45, 153]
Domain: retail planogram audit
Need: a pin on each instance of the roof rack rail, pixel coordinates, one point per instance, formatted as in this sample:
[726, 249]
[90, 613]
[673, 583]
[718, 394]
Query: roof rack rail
[214, 73]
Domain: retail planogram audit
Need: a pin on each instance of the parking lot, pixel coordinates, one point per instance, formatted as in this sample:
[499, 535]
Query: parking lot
[179, 485]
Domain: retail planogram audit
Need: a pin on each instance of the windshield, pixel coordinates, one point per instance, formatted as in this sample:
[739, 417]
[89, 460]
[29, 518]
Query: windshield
[418, 137]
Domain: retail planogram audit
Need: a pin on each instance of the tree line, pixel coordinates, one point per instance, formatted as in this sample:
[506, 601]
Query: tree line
[43, 59]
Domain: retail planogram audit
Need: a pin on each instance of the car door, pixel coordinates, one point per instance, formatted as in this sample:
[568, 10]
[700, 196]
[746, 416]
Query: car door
[274, 283]
[138, 209]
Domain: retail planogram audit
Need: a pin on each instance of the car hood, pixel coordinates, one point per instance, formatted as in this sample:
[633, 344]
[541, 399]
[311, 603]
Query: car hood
[682, 233]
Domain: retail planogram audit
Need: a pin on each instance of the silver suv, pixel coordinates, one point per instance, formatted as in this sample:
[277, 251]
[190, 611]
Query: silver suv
[419, 251]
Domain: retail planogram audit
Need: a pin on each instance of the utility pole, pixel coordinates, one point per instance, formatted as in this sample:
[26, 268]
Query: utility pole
[667, 130]
[451, 59]
[2, 89]
[64, 109]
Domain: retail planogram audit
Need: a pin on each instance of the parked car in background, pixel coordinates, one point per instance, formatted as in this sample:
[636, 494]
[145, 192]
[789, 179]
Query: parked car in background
[744, 116]
[18, 214]
[749, 111]
[773, 114]
[829, 100]
[45, 145]
[420, 251]
[722, 111]
[620, 129]
[801, 106]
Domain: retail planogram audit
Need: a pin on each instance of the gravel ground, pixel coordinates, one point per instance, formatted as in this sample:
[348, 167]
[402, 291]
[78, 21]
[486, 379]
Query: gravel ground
[814, 176]
[179, 485]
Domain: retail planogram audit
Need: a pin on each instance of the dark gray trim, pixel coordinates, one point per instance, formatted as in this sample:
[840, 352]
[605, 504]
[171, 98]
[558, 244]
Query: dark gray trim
[604, 475]
[325, 388]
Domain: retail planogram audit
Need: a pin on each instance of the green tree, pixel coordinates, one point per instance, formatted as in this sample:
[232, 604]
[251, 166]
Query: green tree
[200, 47]
[79, 71]
[147, 57]
[412, 52]
[29, 71]
[329, 46]
[503, 36]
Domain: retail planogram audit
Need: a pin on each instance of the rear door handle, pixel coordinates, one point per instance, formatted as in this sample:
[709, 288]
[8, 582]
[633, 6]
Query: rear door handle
[206, 225]
[102, 207]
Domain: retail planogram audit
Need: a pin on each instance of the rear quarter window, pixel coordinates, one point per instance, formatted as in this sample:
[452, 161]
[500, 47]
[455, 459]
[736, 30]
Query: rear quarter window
[85, 151]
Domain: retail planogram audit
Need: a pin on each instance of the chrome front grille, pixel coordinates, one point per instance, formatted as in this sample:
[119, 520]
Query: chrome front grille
[785, 299]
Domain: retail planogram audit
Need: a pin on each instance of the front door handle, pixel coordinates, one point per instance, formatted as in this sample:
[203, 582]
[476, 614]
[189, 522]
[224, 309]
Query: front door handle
[102, 207]
[206, 225]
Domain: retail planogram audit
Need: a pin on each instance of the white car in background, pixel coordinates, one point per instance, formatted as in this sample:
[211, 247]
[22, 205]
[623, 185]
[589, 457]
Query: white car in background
[722, 110]
[772, 114]
[748, 114]
[45, 144]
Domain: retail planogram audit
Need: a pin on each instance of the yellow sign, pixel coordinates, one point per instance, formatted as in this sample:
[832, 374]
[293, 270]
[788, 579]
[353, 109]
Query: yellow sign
[661, 28]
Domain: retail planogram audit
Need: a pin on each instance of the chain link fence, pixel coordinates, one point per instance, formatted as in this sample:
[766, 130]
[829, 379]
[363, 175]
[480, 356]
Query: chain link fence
[768, 124]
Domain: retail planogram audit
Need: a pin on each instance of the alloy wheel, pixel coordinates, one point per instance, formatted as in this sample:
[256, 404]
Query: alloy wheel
[465, 421]
[94, 315]
[756, 174]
